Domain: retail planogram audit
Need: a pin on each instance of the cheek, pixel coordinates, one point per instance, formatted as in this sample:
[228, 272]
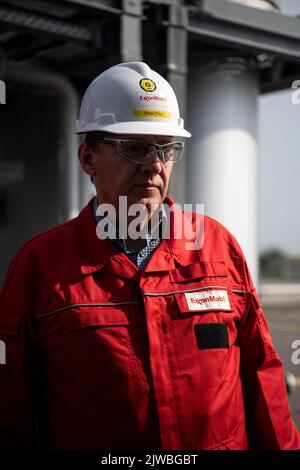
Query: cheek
[104, 178]
[114, 179]
[167, 175]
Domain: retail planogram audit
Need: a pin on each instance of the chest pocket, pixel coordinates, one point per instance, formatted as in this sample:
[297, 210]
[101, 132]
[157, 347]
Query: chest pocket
[89, 347]
[204, 323]
[201, 288]
[209, 313]
[207, 338]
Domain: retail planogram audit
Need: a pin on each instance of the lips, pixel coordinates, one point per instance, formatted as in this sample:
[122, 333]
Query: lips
[144, 188]
[147, 185]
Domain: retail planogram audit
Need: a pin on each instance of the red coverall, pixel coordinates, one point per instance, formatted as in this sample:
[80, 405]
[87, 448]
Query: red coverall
[99, 355]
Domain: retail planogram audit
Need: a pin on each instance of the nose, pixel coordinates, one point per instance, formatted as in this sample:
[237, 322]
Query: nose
[153, 166]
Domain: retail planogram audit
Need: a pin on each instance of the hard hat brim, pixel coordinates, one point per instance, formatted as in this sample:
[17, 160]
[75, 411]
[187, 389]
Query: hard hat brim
[137, 127]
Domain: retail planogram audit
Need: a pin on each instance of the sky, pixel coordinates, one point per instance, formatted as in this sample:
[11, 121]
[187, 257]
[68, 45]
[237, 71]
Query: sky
[279, 166]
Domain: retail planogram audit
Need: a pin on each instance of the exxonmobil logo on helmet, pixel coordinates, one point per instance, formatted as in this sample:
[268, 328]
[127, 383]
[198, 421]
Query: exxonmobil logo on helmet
[147, 84]
[208, 300]
[152, 98]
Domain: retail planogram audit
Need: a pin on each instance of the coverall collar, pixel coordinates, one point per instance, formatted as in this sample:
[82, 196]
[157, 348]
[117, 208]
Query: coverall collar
[98, 253]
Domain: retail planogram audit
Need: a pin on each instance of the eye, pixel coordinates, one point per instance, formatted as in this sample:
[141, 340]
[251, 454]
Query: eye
[134, 148]
[169, 150]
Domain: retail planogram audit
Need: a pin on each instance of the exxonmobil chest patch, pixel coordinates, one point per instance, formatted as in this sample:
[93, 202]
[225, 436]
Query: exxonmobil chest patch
[208, 300]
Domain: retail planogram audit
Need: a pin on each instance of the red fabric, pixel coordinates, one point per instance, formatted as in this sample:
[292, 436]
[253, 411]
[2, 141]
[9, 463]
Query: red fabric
[103, 356]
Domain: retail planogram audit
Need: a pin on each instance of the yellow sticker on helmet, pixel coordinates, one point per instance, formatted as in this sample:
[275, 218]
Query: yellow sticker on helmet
[147, 84]
[151, 113]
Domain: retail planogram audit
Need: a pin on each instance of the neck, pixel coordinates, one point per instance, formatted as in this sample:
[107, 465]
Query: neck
[131, 227]
[136, 244]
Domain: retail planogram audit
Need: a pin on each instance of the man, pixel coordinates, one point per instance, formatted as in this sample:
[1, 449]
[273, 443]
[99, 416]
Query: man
[118, 341]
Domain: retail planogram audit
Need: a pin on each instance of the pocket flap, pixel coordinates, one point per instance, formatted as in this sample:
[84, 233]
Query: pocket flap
[101, 316]
[198, 270]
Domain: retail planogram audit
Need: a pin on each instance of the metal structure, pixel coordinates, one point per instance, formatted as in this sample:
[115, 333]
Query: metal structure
[80, 37]
[181, 39]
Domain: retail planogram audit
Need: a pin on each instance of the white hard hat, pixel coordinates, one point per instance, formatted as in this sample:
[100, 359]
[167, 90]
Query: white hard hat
[130, 98]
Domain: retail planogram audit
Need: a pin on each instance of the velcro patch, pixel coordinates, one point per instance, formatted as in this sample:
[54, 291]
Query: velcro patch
[208, 300]
[212, 335]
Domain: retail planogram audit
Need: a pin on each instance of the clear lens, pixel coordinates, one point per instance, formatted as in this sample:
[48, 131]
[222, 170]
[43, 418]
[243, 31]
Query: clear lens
[134, 149]
[173, 151]
[143, 152]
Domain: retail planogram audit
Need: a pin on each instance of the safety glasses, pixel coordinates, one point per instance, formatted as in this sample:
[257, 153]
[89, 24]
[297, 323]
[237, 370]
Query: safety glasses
[142, 152]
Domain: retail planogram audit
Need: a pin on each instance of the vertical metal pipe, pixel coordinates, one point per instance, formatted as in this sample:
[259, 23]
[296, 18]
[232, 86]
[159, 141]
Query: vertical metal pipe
[177, 45]
[222, 154]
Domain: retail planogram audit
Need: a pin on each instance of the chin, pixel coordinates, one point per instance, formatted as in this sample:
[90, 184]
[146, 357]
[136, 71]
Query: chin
[146, 201]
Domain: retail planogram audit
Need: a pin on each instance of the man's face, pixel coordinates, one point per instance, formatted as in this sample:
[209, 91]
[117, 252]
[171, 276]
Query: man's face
[115, 176]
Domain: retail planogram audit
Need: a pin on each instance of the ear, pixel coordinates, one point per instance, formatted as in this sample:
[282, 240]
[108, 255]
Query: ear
[87, 157]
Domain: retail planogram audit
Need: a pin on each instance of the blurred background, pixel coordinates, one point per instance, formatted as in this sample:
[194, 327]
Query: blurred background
[234, 65]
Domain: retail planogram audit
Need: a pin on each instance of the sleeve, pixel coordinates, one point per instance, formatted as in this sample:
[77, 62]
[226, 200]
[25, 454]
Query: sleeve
[268, 417]
[17, 422]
